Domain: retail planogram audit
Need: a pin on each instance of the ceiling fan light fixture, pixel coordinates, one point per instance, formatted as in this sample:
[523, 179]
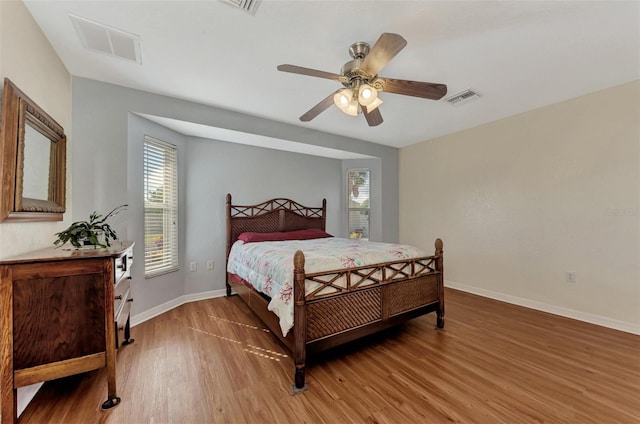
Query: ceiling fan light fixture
[343, 98]
[352, 108]
[374, 104]
[367, 94]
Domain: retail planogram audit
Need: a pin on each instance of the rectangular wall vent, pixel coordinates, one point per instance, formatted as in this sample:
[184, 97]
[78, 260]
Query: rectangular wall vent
[107, 40]
[249, 6]
[464, 96]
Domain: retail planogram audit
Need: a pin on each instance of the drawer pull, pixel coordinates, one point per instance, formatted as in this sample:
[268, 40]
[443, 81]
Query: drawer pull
[120, 265]
[119, 297]
[130, 300]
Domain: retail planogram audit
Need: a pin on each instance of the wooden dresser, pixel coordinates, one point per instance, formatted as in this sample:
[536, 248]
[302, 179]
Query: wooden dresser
[62, 312]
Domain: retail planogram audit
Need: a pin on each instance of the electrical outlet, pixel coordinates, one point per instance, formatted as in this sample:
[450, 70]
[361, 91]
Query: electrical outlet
[570, 276]
[209, 264]
[193, 266]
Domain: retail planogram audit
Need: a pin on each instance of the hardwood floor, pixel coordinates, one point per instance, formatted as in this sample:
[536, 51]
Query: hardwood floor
[211, 361]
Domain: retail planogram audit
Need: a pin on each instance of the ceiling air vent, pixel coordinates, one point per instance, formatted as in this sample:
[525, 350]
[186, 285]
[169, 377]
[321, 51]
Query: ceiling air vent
[464, 96]
[103, 39]
[249, 6]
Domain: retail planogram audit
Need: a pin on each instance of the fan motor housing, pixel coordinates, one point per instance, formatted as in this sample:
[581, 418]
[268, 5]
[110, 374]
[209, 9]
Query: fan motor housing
[354, 74]
[352, 69]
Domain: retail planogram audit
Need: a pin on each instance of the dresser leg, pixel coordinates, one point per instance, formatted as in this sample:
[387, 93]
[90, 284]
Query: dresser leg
[110, 403]
[127, 333]
[9, 406]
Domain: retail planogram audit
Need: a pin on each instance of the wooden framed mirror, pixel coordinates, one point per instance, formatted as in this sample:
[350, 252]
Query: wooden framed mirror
[33, 150]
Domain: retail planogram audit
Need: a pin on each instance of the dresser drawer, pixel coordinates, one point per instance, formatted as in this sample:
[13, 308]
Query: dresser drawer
[122, 320]
[123, 266]
[120, 294]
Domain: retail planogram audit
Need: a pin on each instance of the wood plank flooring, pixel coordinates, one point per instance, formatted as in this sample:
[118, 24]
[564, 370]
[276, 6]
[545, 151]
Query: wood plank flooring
[212, 362]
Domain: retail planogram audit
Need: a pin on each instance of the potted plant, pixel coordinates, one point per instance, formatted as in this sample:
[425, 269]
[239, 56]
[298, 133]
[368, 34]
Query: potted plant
[93, 233]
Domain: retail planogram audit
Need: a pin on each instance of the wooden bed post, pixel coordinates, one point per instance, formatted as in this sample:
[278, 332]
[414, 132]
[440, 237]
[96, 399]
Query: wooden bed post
[228, 242]
[300, 319]
[440, 269]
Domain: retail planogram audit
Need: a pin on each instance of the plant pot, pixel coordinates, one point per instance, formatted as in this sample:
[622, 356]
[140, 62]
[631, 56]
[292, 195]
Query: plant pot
[85, 243]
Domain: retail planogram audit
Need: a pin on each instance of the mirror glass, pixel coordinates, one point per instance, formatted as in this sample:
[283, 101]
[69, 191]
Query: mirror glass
[37, 154]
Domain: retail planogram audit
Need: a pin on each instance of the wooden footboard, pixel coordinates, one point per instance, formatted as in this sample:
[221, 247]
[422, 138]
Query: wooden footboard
[366, 300]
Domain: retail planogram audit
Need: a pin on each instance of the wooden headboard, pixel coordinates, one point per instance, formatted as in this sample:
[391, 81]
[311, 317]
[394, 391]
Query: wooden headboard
[271, 216]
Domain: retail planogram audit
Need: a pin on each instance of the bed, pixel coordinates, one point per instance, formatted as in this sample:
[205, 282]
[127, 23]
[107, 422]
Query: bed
[334, 306]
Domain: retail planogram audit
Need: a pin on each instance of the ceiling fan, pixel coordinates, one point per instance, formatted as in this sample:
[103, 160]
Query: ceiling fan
[362, 83]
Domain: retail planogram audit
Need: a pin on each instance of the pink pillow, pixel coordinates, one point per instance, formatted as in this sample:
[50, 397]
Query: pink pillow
[308, 234]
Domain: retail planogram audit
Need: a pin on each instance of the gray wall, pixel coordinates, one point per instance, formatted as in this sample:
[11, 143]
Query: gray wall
[107, 172]
[252, 175]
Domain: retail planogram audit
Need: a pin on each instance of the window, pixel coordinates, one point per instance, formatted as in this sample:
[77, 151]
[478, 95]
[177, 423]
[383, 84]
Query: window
[358, 202]
[160, 207]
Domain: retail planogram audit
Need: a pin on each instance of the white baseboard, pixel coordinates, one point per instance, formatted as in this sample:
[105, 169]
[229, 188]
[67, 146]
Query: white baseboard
[26, 395]
[545, 307]
[174, 303]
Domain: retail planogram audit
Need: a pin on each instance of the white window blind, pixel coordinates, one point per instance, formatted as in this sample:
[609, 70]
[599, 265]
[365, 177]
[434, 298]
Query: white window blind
[358, 203]
[160, 207]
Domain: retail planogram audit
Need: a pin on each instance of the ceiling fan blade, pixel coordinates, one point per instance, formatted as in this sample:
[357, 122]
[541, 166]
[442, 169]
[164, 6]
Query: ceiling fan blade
[426, 90]
[311, 72]
[319, 108]
[374, 118]
[385, 49]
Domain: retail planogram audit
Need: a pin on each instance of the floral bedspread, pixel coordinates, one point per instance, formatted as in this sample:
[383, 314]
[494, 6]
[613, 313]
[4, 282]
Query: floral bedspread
[268, 266]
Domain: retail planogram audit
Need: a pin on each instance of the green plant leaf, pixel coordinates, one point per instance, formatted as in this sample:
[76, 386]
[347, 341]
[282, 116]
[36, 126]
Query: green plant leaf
[80, 230]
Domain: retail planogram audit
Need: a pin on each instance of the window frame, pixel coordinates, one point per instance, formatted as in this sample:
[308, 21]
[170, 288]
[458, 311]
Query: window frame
[170, 253]
[349, 209]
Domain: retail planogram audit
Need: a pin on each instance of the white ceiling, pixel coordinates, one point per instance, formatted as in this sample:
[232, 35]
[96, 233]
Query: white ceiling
[518, 55]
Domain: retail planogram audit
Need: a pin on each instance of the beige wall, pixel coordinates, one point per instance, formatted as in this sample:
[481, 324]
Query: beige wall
[27, 59]
[522, 200]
